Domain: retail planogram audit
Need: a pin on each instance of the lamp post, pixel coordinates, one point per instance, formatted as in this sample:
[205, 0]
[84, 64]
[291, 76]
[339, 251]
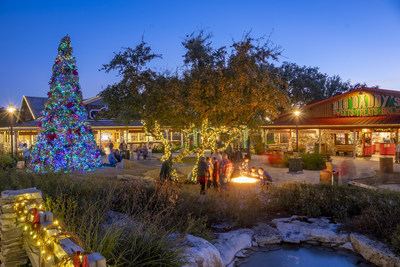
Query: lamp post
[297, 113]
[11, 110]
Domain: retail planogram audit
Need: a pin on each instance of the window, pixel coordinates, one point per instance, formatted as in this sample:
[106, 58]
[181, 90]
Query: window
[340, 139]
[284, 137]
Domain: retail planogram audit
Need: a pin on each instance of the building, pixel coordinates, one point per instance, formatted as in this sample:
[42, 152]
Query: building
[105, 131]
[361, 122]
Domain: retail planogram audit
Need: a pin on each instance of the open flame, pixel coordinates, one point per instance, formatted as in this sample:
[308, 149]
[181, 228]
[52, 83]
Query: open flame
[245, 180]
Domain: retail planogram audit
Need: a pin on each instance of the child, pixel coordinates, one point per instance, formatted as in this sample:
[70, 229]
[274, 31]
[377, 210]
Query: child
[253, 172]
[265, 178]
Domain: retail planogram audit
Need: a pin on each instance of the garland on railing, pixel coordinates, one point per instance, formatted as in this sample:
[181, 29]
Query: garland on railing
[27, 211]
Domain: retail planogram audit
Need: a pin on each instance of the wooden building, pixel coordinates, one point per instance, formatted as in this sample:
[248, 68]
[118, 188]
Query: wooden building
[361, 122]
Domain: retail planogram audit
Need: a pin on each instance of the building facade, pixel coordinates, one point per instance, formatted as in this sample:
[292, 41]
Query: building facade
[361, 122]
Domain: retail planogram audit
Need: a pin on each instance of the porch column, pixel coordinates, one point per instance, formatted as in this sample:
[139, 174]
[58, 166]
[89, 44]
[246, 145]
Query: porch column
[319, 141]
[181, 139]
[397, 141]
[354, 143]
[100, 139]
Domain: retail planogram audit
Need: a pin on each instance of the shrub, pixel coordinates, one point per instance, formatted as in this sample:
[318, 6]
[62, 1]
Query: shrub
[313, 161]
[6, 162]
[259, 149]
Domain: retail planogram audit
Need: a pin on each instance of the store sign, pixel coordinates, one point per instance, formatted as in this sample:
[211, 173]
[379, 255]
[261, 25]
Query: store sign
[366, 105]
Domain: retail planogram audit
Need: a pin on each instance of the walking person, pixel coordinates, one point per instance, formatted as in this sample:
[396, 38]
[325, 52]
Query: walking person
[138, 150]
[25, 154]
[226, 168]
[202, 174]
[210, 172]
[150, 151]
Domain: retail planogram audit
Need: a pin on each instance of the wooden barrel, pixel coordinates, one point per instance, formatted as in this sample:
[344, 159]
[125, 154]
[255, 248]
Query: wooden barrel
[325, 177]
[386, 164]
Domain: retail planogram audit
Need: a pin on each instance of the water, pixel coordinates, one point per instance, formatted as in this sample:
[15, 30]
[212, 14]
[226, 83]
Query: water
[298, 257]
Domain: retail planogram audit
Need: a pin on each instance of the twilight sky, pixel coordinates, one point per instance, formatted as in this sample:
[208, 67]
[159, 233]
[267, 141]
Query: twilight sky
[356, 39]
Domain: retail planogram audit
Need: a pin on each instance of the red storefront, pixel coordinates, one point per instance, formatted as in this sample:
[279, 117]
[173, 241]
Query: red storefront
[361, 122]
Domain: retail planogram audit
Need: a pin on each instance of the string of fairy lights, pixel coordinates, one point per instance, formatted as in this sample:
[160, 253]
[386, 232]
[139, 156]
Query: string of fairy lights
[66, 142]
[45, 237]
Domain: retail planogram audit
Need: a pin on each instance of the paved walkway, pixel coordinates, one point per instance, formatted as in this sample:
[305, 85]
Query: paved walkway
[365, 170]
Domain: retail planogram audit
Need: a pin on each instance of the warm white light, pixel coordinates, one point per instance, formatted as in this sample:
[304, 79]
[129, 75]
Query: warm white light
[245, 180]
[11, 109]
[297, 113]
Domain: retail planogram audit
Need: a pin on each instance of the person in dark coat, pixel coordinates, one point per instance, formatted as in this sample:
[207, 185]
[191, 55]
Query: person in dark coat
[166, 171]
[202, 174]
[215, 176]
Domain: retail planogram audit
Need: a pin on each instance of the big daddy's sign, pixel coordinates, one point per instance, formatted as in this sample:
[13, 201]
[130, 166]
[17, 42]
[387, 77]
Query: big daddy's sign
[367, 104]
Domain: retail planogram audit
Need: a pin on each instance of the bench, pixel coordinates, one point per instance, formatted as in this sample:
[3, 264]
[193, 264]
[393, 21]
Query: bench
[345, 149]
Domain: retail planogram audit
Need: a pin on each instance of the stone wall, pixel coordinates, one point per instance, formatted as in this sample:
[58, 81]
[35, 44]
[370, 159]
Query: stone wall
[23, 233]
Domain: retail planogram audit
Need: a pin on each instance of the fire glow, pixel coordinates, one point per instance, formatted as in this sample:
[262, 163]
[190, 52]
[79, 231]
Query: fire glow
[245, 180]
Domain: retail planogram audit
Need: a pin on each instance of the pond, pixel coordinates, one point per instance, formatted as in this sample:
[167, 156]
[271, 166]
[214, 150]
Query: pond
[288, 256]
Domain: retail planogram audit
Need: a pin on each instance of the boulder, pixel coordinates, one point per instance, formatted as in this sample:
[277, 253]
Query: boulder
[124, 164]
[374, 251]
[297, 229]
[198, 252]
[232, 242]
[266, 235]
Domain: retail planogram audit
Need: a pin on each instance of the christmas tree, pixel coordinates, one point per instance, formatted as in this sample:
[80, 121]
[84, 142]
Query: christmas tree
[66, 142]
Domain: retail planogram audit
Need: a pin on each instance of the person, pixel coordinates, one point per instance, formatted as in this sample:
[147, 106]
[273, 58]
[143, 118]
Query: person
[111, 159]
[144, 152]
[111, 146]
[166, 171]
[265, 178]
[229, 151]
[397, 151]
[215, 175]
[244, 166]
[202, 174]
[138, 151]
[122, 148]
[210, 172]
[150, 151]
[226, 168]
[25, 153]
[117, 155]
[387, 139]
[217, 155]
[253, 172]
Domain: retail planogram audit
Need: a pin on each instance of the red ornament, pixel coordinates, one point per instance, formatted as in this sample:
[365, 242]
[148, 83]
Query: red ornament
[69, 131]
[49, 94]
[70, 105]
[39, 124]
[78, 131]
[51, 136]
[36, 221]
[75, 72]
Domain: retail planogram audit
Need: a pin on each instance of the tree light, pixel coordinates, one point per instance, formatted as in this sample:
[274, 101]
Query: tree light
[297, 113]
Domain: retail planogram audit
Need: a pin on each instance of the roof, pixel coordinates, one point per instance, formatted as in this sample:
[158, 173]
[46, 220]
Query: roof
[35, 104]
[33, 125]
[289, 122]
[363, 88]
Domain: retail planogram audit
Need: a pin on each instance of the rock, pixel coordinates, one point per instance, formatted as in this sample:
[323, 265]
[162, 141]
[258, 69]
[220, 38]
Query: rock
[374, 251]
[231, 242]
[222, 227]
[198, 252]
[347, 246]
[298, 229]
[124, 164]
[266, 235]
[119, 219]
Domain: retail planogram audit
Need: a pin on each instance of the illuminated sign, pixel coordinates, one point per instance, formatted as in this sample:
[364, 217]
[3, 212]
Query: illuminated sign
[367, 105]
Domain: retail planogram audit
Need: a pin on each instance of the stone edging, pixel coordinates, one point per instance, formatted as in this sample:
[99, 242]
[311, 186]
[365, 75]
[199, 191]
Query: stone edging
[229, 247]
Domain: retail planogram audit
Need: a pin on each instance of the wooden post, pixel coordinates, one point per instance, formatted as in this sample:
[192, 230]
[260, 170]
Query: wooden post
[354, 143]
[181, 139]
[319, 141]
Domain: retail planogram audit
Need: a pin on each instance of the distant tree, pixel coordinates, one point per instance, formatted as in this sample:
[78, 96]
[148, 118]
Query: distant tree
[308, 85]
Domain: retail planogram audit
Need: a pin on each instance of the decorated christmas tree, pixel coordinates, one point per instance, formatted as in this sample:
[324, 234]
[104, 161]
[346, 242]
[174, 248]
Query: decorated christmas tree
[66, 142]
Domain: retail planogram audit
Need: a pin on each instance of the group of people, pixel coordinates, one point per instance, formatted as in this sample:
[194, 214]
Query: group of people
[142, 152]
[218, 169]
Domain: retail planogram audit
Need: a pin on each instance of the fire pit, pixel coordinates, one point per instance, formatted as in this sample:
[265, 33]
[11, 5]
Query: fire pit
[245, 180]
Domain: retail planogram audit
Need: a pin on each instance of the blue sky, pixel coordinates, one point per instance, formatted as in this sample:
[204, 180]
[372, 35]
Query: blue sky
[356, 39]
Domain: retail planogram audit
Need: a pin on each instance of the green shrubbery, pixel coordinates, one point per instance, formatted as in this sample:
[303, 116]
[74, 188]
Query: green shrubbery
[6, 162]
[313, 161]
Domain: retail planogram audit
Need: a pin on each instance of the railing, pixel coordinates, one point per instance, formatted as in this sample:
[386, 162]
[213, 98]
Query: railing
[28, 233]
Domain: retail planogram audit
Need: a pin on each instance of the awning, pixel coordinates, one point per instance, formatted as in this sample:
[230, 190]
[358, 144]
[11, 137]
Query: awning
[289, 122]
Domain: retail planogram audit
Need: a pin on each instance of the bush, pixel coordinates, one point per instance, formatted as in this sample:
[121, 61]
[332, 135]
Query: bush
[313, 161]
[259, 149]
[6, 162]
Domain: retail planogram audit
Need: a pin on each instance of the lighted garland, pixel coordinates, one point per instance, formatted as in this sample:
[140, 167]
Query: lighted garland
[66, 142]
[28, 213]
